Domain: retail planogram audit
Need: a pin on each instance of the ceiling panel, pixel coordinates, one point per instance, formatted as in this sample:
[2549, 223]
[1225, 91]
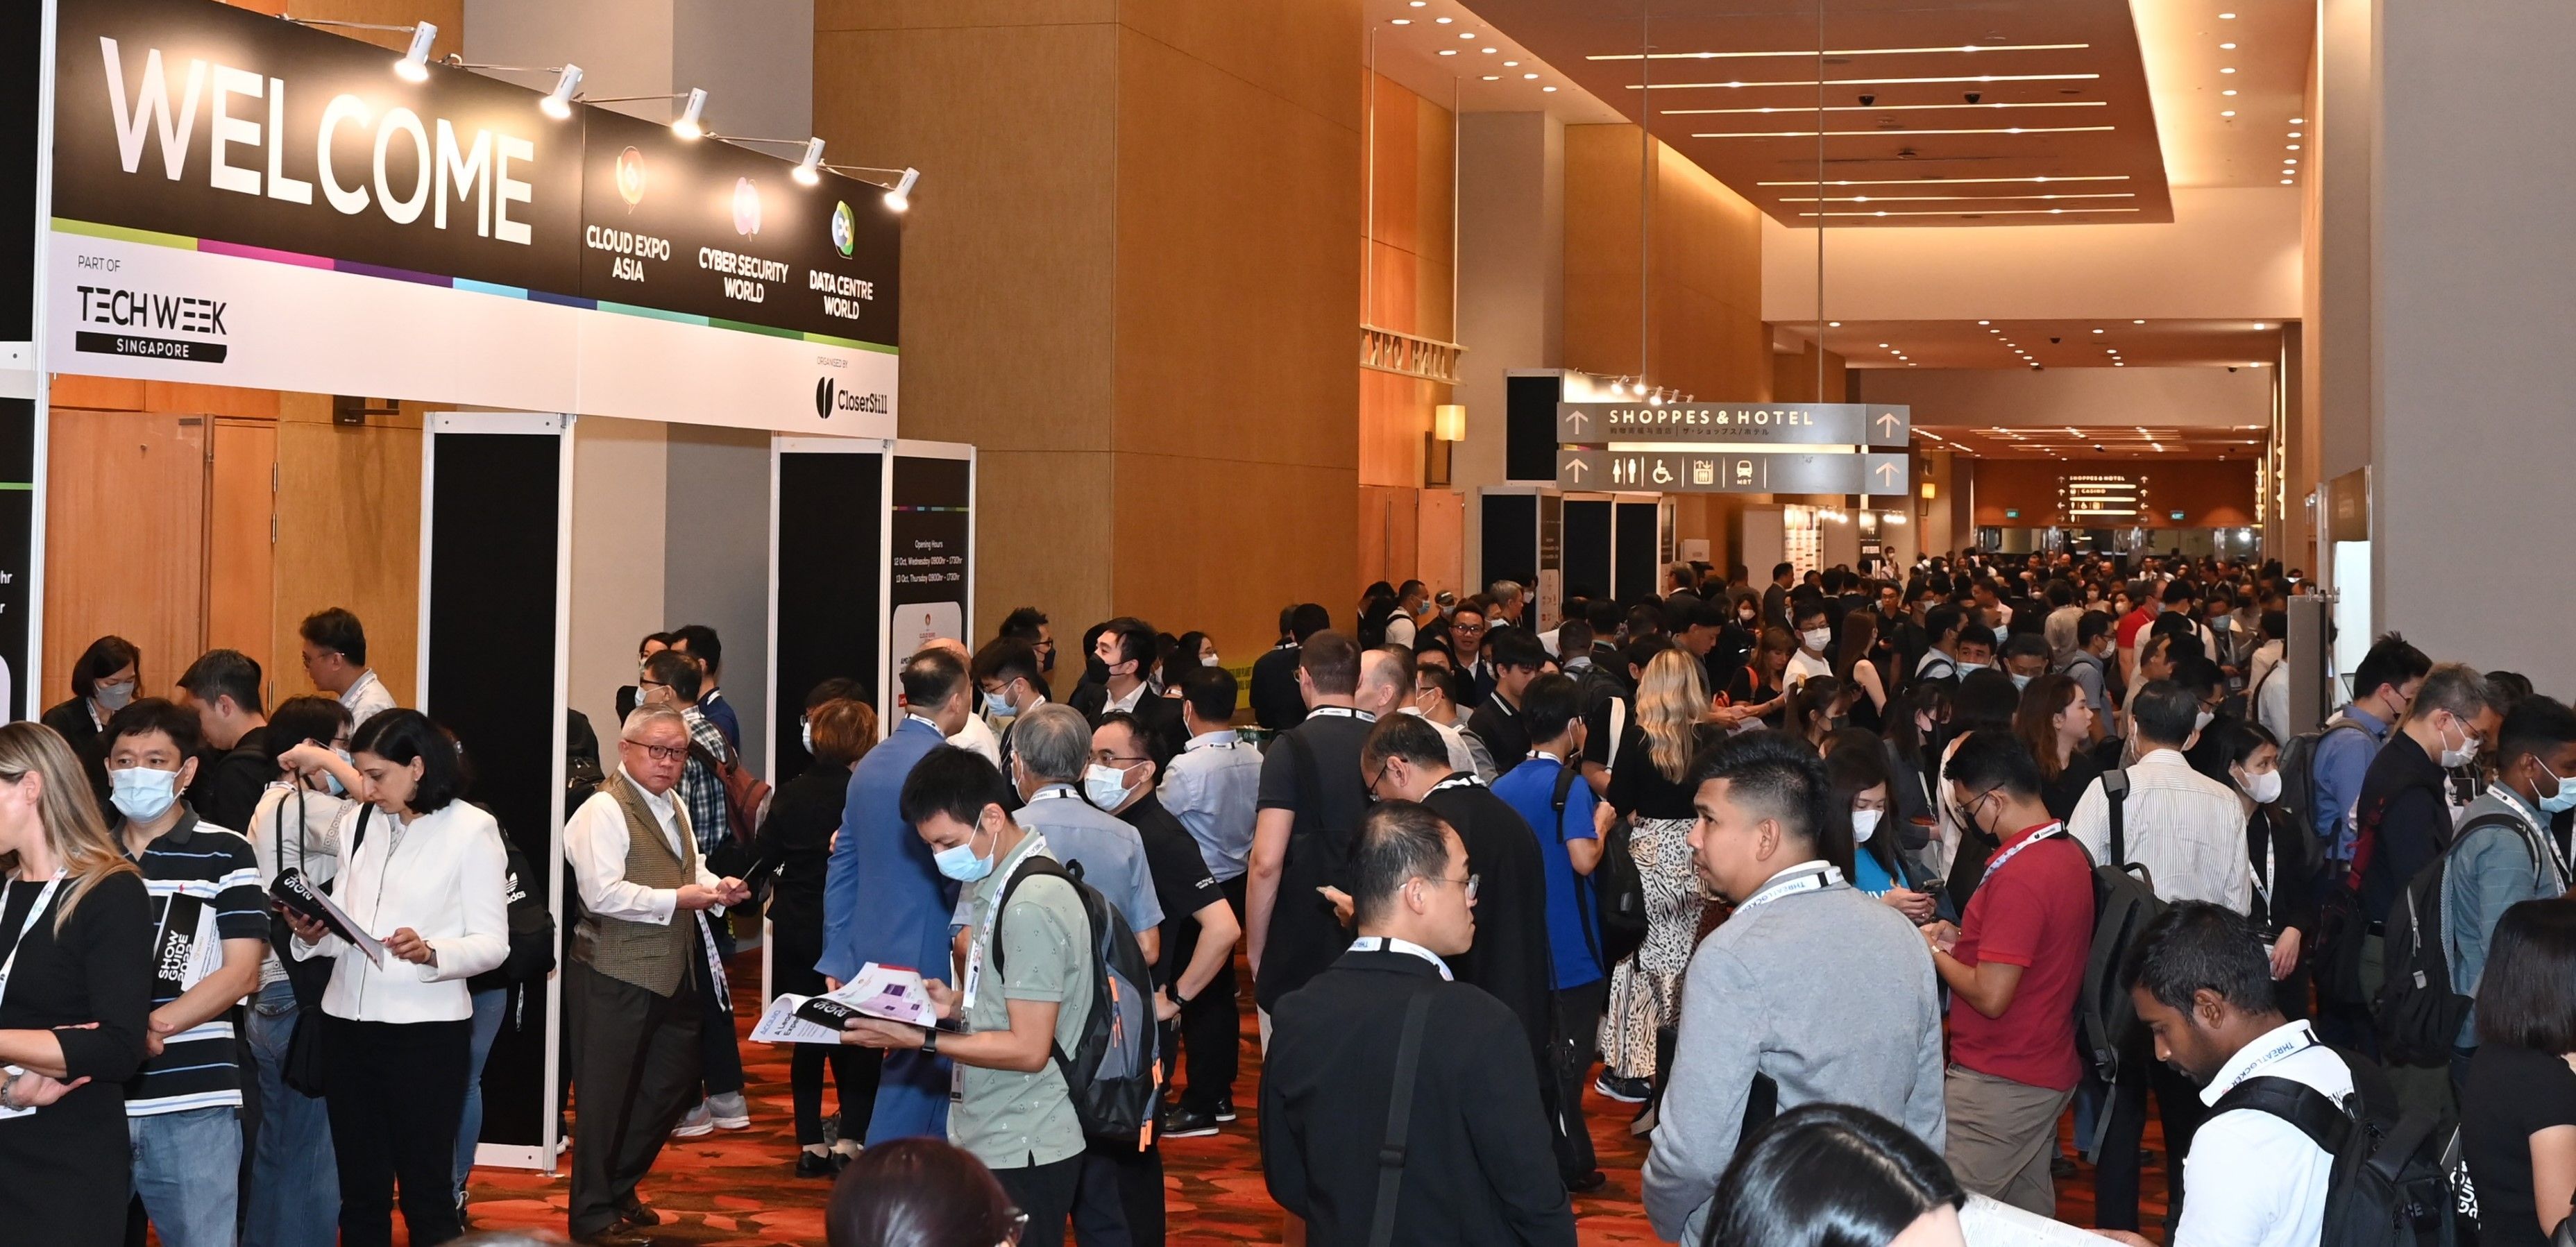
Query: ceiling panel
[2099, 343]
[2080, 445]
[2012, 112]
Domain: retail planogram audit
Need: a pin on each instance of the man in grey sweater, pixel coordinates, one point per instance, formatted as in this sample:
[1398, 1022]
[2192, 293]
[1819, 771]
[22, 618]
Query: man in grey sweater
[1810, 992]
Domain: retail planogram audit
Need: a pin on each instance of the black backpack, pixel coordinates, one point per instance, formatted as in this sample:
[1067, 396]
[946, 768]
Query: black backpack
[2299, 766]
[1615, 895]
[2124, 902]
[1114, 1074]
[2418, 1010]
[2390, 1185]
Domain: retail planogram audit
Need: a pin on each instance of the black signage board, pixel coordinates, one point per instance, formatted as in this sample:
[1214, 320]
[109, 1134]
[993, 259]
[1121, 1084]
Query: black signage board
[1779, 424]
[1731, 472]
[21, 53]
[211, 122]
[18, 680]
[711, 229]
[930, 530]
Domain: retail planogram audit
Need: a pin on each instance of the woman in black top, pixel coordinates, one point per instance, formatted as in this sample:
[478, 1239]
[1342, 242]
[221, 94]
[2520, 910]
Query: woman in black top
[1860, 672]
[2055, 723]
[1755, 692]
[2518, 1110]
[797, 839]
[104, 679]
[76, 937]
[1651, 788]
[2285, 906]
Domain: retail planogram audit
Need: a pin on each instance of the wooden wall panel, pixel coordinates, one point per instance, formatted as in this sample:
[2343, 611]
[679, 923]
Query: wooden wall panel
[1389, 534]
[241, 503]
[1440, 539]
[1407, 287]
[1705, 283]
[2211, 493]
[348, 509]
[124, 541]
[1793, 378]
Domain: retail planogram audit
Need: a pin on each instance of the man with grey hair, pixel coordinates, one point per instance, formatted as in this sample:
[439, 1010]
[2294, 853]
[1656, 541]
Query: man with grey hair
[642, 970]
[1509, 599]
[1051, 753]
[2404, 820]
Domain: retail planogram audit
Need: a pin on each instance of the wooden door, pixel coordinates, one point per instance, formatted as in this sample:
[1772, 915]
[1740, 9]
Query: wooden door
[125, 541]
[241, 548]
[348, 508]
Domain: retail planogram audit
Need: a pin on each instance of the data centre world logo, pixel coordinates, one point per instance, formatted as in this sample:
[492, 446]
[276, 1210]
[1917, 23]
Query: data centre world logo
[845, 228]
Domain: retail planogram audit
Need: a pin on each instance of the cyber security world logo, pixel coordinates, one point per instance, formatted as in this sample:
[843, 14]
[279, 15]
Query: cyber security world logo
[746, 207]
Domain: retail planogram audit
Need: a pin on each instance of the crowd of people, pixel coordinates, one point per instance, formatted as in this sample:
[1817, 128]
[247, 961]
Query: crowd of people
[1869, 890]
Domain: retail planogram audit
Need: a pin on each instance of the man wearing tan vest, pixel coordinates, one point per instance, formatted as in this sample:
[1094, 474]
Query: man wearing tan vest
[641, 966]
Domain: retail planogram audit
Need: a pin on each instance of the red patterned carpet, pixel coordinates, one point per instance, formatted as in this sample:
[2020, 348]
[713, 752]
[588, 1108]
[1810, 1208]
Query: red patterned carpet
[740, 1187]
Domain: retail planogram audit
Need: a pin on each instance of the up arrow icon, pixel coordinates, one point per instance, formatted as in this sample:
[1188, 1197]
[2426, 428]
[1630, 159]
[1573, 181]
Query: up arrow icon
[1577, 419]
[1887, 424]
[1886, 473]
[1576, 468]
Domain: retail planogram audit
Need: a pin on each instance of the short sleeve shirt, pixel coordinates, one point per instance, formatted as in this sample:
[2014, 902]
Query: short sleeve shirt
[1182, 884]
[2513, 1093]
[213, 872]
[1011, 1120]
[2037, 913]
[1530, 789]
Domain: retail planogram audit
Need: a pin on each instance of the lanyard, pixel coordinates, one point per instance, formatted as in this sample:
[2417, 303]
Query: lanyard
[2539, 829]
[2053, 829]
[43, 899]
[2289, 1045]
[1052, 792]
[2271, 867]
[1455, 781]
[1346, 712]
[1390, 944]
[1808, 877]
[992, 917]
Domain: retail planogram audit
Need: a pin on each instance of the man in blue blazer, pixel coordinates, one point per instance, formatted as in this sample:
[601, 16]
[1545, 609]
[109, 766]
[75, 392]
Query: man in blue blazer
[884, 899]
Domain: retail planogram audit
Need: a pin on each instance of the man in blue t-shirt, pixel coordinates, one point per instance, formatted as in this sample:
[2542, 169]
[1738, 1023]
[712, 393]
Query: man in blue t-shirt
[1569, 847]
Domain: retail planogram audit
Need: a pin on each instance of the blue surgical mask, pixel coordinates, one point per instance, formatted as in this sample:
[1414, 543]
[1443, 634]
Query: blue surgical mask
[2562, 800]
[2020, 681]
[961, 864]
[1002, 705]
[143, 793]
[331, 782]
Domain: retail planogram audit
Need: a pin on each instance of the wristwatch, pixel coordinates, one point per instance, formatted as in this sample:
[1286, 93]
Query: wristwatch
[930, 1041]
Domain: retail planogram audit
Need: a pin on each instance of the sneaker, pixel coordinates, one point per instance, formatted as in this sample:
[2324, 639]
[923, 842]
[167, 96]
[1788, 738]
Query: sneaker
[1624, 1090]
[1188, 1124]
[1225, 1108]
[1643, 1123]
[695, 1122]
[729, 1111]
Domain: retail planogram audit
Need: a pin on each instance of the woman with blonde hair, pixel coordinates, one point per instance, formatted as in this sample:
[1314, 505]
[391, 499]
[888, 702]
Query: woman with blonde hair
[75, 990]
[1650, 788]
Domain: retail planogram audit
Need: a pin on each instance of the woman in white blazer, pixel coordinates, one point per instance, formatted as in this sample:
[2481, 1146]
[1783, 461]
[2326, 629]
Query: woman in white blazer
[425, 879]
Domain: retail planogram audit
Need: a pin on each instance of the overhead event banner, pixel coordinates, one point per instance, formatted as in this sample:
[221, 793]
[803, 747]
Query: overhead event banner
[1686, 472]
[22, 386]
[239, 200]
[1782, 424]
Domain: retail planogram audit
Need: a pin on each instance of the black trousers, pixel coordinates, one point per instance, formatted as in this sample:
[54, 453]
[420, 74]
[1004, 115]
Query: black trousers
[1046, 1194]
[394, 1093]
[1212, 1028]
[1578, 1027]
[855, 1070]
[2115, 1174]
[636, 1064]
[1120, 1202]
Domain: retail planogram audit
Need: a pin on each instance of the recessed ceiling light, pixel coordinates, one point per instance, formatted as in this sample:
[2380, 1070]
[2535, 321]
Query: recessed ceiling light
[2290, 147]
[2229, 70]
[2229, 113]
[2227, 17]
[2294, 134]
[2289, 160]
[2227, 47]
[1834, 324]
[1547, 88]
[1443, 21]
[1526, 76]
[1882, 345]
[2298, 121]
[1493, 77]
[2137, 322]
[2228, 92]
[1466, 34]
[1402, 21]
[1985, 322]
[1487, 51]
[1419, 3]
[1448, 51]
[2258, 324]
[2286, 182]
[1511, 64]
[2101, 331]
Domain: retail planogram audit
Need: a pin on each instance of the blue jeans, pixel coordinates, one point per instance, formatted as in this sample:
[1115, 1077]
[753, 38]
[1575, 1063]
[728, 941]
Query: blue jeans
[187, 1171]
[295, 1185]
[489, 1006]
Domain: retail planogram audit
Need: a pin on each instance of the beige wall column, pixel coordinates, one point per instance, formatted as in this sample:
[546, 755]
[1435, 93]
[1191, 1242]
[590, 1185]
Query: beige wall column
[1128, 279]
[1511, 285]
[2469, 262]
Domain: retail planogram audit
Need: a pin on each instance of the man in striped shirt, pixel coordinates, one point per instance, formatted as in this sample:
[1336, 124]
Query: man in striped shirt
[210, 929]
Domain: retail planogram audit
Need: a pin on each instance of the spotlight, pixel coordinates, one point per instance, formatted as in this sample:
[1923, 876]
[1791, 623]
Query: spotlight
[900, 198]
[687, 126]
[414, 66]
[805, 170]
[558, 102]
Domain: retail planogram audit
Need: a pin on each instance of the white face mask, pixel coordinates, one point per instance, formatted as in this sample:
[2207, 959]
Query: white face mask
[2458, 757]
[1211, 660]
[2020, 681]
[2264, 788]
[1865, 824]
[805, 734]
[1105, 785]
[143, 793]
[2202, 720]
[1816, 638]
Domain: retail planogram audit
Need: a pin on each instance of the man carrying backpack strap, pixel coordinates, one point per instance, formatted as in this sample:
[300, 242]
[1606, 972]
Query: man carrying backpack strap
[1013, 1108]
[2203, 986]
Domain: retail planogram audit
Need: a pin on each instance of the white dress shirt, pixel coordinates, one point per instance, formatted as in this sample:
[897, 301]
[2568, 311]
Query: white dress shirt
[2256, 1180]
[445, 876]
[596, 841]
[1214, 788]
[1461, 758]
[299, 830]
[366, 698]
[1390, 944]
[2187, 829]
[1109, 704]
[979, 736]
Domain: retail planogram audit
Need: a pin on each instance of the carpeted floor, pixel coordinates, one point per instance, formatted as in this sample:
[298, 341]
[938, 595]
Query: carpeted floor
[740, 1187]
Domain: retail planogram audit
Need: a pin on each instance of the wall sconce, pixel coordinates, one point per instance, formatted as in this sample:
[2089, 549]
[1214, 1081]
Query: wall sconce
[1927, 491]
[1449, 422]
[1448, 428]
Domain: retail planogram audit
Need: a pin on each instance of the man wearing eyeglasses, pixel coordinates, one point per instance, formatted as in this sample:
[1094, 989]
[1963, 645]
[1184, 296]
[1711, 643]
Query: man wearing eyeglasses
[643, 966]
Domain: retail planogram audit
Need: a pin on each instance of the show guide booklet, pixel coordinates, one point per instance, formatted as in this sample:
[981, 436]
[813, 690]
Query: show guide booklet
[894, 993]
[296, 892]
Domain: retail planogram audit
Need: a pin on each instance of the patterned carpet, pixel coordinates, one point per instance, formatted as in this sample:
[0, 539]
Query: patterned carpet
[740, 1187]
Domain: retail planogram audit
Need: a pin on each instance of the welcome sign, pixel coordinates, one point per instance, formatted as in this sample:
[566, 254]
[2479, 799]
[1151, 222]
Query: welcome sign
[239, 200]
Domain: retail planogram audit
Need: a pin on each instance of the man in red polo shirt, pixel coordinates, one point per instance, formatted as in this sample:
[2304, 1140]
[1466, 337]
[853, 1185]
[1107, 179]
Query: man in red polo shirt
[2013, 966]
[2144, 603]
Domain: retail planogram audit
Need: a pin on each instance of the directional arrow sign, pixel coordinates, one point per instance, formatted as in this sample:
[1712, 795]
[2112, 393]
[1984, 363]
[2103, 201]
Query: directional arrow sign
[1731, 472]
[1747, 424]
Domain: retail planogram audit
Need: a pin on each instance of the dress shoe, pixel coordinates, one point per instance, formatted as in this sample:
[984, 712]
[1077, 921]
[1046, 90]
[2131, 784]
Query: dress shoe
[1587, 1183]
[638, 1214]
[816, 1165]
[618, 1235]
[1225, 1108]
[1184, 1123]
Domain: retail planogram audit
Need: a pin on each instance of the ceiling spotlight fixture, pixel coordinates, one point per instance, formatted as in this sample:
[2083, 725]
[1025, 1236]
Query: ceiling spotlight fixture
[1528, 76]
[2259, 325]
[2227, 47]
[2290, 147]
[1487, 51]
[808, 171]
[2137, 322]
[2227, 17]
[2229, 70]
[2285, 182]
[1467, 34]
[414, 66]
[1547, 88]
[558, 102]
[2229, 91]
[1402, 21]
[1448, 51]
[1511, 64]
[688, 125]
[900, 198]
[2298, 121]
[1493, 77]
[2294, 134]
[1443, 20]
[1985, 322]
[1833, 324]
[2101, 331]
[2230, 112]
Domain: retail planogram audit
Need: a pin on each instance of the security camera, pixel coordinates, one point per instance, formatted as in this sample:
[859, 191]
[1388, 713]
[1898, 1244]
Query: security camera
[1974, 96]
[2055, 341]
[2231, 368]
[1867, 99]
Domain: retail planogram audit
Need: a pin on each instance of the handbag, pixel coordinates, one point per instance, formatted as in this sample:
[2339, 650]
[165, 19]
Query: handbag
[303, 1069]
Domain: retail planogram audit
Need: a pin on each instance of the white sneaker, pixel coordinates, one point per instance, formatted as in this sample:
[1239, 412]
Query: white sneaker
[729, 1111]
[696, 1122]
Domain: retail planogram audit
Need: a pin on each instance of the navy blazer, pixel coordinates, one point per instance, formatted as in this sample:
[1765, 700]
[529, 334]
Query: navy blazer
[884, 899]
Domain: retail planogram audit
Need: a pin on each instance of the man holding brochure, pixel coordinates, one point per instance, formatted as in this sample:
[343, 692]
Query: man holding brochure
[640, 960]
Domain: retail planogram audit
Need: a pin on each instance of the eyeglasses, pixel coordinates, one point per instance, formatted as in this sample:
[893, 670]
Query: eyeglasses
[1469, 883]
[641, 682]
[1106, 758]
[659, 753]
